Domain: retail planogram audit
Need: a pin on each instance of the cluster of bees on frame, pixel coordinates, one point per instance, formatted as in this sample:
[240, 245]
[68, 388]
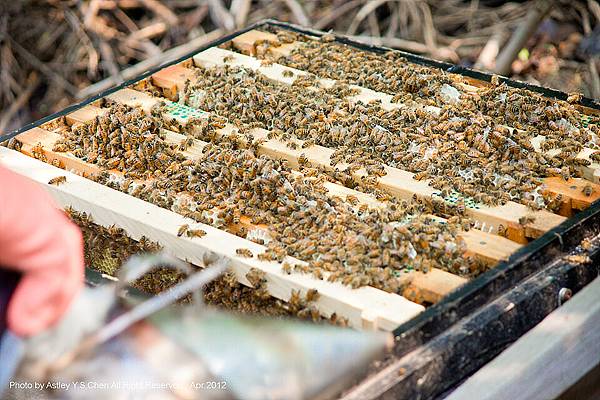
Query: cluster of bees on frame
[480, 146]
[107, 248]
[291, 214]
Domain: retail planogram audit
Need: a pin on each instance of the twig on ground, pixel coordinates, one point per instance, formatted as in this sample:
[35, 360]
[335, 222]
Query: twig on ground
[22, 99]
[298, 12]
[534, 16]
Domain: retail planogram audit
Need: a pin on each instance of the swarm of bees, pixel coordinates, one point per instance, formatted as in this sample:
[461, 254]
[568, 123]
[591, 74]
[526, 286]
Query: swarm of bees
[461, 149]
[466, 149]
[229, 180]
[123, 139]
[107, 249]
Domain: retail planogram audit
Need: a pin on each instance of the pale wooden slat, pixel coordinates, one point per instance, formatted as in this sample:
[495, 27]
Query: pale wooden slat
[46, 141]
[365, 307]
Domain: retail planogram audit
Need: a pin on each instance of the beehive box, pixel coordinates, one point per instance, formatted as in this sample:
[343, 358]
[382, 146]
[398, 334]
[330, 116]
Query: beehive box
[379, 180]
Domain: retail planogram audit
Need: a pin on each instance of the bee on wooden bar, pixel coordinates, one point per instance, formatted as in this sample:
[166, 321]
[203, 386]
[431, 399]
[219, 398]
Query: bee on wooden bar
[526, 220]
[182, 229]
[14, 144]
[195, 233]
[302, 160]
[58, 180]
[312, 295]
[327, 38]
[244, 253]
[352, 199]
[586, 244]
[587, 190]
[256, 277]
[58, 163]
[38, 152]
[574, 98]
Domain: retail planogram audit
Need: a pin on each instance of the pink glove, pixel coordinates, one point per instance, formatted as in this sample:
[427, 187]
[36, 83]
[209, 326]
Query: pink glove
[37, 239]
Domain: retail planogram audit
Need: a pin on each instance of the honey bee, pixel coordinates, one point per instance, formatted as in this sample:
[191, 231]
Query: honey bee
[182, 229]
[502, 230]
[60, 147]
[526, 220]
[312, 295]
[302, 160]
[186, 143]
[244, 253]
[287, 268]
[287, 73]
[574, 98]
[595, 156]
[460, 206]
[14, 144]
[308, 143]
[352, 199]
[578, 259]
[327, 38]
[191, 233]
[586, 244]
[58, 180]
[256, 277]
[58, 163]
[419, 176]
[38, 152]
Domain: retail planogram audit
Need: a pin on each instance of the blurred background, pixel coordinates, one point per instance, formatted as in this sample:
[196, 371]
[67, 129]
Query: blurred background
[56, 52]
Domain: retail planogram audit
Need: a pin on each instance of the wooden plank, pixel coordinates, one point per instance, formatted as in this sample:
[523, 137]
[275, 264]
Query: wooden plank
[401, 184]
[45, 141]
[246, 43]
[366, 307]
[486, 246]
[573, 190]
[164, 79]
[219, 57]
[548, 359]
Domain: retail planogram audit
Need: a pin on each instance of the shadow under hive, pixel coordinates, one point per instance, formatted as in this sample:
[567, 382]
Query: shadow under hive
[372, 177]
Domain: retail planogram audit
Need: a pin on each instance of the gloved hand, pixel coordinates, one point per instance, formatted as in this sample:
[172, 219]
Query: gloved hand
[38, 240]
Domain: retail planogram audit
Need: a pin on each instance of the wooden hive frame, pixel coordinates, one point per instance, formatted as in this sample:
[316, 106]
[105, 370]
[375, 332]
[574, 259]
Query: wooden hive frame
[366, 307]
